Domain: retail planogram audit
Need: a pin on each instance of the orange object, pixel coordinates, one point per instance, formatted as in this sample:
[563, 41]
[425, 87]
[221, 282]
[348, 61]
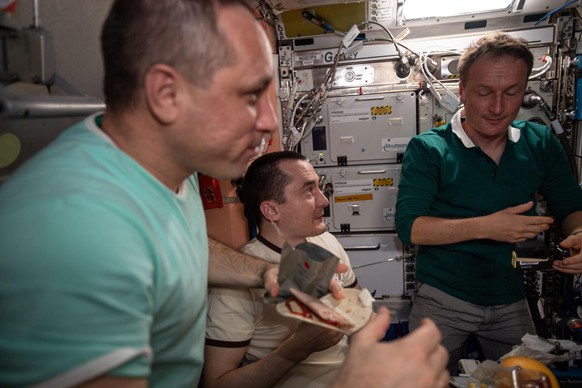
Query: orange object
[532, 364]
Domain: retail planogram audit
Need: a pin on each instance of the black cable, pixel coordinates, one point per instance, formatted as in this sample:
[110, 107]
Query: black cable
[568, 148]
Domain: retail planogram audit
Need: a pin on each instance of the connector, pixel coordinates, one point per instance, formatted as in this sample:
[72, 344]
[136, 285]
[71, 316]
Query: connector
[450, 102]
[352, 49]
[350, 36]
[318, 22]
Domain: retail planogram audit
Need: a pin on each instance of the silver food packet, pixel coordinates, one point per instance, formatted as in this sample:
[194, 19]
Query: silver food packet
[307, 267]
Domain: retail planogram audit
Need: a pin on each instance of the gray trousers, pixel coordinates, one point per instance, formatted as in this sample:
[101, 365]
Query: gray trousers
[497, 328]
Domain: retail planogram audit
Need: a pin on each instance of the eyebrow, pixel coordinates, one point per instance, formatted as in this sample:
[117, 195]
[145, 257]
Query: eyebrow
[480, 84]
[257, 88]
[308, 183]
[261, 83]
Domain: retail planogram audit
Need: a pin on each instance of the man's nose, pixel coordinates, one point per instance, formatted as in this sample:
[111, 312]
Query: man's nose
[267, 119]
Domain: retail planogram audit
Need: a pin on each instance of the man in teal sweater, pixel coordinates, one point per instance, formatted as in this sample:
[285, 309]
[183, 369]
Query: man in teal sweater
[468, 192]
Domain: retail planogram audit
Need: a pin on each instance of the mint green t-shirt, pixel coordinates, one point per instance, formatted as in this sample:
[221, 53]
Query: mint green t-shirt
[96, 255]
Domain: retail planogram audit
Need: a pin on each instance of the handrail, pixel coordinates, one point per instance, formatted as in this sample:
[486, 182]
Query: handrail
[17, 106]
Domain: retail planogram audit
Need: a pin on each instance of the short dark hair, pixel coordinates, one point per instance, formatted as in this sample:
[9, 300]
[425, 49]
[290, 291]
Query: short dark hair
[138, 34]
[497, 44]
[264, 180]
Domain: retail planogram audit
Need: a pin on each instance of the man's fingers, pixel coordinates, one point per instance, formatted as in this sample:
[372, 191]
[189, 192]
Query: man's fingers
[426, 335]
[341, 268]
[375, 329]
[520, 208]
[336, 289]
[440, 357]
[571, 242]
[540, 220]
[271, 282]
[443, 379]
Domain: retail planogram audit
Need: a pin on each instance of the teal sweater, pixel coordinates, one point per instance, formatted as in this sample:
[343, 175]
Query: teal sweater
[443, 178]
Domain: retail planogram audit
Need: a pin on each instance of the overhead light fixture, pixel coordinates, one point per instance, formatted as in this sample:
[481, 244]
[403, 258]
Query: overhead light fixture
[424, 9]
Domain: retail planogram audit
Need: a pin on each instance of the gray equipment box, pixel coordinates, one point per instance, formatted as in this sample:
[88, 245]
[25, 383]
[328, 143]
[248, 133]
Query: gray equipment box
[380, 263]
[363, 129]
[363, 199]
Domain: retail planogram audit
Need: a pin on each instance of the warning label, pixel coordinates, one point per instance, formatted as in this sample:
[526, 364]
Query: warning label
[353, 198]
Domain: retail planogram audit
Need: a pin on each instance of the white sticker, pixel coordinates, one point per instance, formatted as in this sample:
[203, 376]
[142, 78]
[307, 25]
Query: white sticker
[349, 115]
[393, 144]
[389, 214]
[353, 186]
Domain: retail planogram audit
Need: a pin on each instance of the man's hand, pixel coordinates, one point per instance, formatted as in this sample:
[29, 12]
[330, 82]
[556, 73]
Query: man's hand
[573, 264]
[415, 361]
[334, 287]
[270, 280]
[271, 283]
[509, 225]
[307, 339]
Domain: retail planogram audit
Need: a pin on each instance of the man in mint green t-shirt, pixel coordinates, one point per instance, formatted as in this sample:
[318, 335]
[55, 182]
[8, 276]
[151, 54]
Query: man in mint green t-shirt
[104, 257]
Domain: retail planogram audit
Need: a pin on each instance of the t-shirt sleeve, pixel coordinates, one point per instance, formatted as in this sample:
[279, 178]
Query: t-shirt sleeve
[417, 188]
[231, 317]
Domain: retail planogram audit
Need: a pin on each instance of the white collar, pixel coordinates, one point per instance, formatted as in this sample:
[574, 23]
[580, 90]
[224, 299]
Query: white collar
[513, 134]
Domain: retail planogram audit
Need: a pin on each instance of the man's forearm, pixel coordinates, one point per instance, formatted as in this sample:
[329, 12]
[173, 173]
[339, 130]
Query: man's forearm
[438, 231]
[263, 373]
[511, 225]
[572, 224]
[228, 267]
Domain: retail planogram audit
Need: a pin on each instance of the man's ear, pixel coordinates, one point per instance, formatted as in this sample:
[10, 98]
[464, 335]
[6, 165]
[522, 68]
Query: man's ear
[161, 88]
[461, 93]
[269, 211]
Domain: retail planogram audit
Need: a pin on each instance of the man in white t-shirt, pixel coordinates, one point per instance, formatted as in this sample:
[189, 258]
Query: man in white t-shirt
[247, 342]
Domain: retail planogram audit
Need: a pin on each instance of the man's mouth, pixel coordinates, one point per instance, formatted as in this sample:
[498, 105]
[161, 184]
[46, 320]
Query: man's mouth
[494, 120]
[262, 145]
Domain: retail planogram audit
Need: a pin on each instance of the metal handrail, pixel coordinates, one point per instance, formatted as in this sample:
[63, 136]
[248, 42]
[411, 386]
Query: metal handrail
[16, 106]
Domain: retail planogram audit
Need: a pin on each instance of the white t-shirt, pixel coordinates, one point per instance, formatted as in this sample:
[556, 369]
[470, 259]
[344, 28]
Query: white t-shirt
[239, 318]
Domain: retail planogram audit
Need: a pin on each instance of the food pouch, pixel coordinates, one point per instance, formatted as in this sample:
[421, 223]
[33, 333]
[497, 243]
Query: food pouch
[308, 268]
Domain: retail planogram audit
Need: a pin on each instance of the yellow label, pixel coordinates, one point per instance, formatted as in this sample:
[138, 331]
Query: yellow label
[380, 182]
[381, 110]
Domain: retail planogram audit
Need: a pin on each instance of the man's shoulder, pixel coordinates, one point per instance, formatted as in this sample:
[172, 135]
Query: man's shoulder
[531, 128]
[435, 135]
[323, 238]
[436, 139]
[258, 249]
[327, 241]
[534, 134]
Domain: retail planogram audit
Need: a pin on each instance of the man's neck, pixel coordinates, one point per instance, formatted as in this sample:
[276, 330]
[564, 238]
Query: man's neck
[272, 235]
[493, 147]
[136, 136]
